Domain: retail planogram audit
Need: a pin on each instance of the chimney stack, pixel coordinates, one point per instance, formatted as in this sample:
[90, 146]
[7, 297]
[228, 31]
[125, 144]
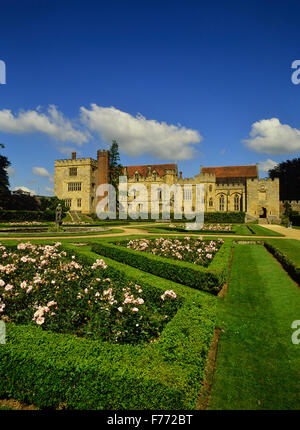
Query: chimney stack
[73, 155]
[103, 167]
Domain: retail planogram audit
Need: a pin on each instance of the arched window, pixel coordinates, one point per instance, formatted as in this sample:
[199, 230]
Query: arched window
[210, 188]
[222, 203]
[136, 177]
[210, 202]
[236, 202]
[154, 176]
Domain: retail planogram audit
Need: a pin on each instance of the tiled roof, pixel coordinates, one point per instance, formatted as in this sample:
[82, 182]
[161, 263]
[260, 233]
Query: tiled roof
[143, 170]
[232, 171]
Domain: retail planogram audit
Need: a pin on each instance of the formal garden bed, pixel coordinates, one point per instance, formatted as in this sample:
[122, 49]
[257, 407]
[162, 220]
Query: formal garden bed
[211, 229]
[41, 285]
[63, 351]
[206, 277]
[196, 251]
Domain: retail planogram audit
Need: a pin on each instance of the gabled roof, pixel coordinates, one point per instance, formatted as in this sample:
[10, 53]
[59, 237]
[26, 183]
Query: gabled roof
[232, 171]
[143, 170]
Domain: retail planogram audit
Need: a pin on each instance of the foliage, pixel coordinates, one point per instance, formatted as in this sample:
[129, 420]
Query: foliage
[53, 370]
[184, 249]
[39, 285]
[208, 279]
[22, 202]
[51, 203]
[289, 179]
[225, 217]
[115, 167]
[287, 209]
[26, 215]
[4, 181]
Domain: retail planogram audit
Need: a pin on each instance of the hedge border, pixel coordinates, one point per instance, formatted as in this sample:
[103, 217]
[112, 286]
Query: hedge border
[292, 268]
[52, 370]
[21, 215]
[209, 279]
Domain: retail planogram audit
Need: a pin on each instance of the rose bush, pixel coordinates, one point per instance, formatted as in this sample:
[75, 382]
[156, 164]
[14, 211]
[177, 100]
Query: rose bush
[197, 251]
[42, 285]
[205, 227]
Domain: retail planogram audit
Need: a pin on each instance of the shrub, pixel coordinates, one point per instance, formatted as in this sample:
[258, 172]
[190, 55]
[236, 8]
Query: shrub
[40, 285]
[225, 217]
[20, 215]
[209, 279]
[54, 370]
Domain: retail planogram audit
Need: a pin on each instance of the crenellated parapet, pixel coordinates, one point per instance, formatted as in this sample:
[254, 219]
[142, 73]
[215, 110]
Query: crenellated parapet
[75, 162]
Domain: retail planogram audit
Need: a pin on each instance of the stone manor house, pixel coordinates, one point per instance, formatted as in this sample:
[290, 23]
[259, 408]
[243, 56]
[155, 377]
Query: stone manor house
[227, 188]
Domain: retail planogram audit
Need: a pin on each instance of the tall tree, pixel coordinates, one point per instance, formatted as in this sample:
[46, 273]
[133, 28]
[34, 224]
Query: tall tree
[4, 181]
[288, 173]
[115, 167]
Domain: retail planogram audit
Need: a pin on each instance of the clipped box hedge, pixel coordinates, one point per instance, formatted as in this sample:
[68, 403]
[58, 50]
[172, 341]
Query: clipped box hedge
[53, 370]
[209, 279]
[14, 216]
[225, 217]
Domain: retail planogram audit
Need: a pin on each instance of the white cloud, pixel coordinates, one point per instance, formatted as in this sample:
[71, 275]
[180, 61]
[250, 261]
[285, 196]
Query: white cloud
[41, 171]
[137, 135]
[10, 171]
[52, 123]
[66, 150]
[272, 137]
[32, 192]
[49, 190]
[265, 166]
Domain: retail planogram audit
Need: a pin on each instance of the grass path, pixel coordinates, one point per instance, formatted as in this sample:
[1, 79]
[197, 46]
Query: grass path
[257, 365]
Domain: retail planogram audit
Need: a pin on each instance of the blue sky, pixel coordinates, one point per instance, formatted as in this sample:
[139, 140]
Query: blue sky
[169, 80]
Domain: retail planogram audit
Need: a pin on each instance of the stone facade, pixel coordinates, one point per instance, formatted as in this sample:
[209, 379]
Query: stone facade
[75, 182]
[228, 188]
[295, 205]
[263, 198]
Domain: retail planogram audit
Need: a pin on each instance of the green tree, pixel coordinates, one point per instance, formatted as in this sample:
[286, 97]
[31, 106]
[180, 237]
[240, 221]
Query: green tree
[51, 203]
[115, 167]
[288, 173]
[4, 181]
[287, 209]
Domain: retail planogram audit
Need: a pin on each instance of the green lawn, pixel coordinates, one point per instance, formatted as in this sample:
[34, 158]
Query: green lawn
[289, 247]
[257, 365]
[262, 231]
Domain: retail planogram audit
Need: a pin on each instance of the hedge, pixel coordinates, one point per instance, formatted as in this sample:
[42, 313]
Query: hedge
[27, 215]
[212, 217]
[209, 279]
[54, 370]
[281, 253]
[225, 217]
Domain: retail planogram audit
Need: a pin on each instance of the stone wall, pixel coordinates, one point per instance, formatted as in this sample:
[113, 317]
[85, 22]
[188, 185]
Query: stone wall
[263, 198]
[86, 176]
